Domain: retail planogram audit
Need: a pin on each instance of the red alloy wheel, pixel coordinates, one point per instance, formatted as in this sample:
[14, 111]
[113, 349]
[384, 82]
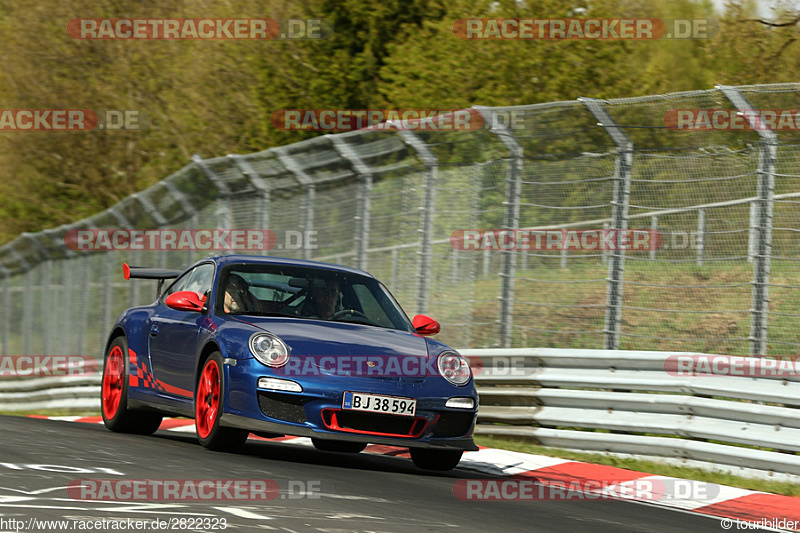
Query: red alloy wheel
[112, 382]
[208, 392]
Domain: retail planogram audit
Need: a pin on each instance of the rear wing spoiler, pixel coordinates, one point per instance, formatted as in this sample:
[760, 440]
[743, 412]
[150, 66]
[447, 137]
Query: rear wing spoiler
[150, 273]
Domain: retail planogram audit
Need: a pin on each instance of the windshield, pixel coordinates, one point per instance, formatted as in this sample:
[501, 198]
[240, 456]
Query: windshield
[302, 292]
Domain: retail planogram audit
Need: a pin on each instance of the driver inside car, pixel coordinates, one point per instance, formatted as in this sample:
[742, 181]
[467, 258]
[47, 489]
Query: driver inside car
[237, 296]
[323, 300]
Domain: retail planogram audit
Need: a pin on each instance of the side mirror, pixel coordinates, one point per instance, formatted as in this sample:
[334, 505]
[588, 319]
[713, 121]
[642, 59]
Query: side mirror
[185, 301]
[425, 325]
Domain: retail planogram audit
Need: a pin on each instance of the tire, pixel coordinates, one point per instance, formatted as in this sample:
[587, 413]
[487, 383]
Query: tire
[439, 460]
[341, 446]
[114, 395]
[209, 392]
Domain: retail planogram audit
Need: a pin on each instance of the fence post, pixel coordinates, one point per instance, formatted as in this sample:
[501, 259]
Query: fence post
[190, 210]
[5, 310]
[510, 220]
[26, 301]
[395, 268]
[425, 268]
[83, 304]
[27, 319]
[363, 198]
[224, 193]
[261, 186]
[653, 233]
[701, 235]
[67, 302]
[768, 147]
[751, 236]
[622, 188]
[45, 280]
[307, 223]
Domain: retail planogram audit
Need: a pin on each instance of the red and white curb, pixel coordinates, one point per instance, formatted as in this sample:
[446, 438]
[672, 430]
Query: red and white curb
[770, 511]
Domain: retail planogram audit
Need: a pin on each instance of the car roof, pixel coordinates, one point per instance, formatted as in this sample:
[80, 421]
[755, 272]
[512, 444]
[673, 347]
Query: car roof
[223, 260]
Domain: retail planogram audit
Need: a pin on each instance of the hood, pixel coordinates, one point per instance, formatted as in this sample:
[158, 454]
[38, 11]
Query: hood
[322, 338]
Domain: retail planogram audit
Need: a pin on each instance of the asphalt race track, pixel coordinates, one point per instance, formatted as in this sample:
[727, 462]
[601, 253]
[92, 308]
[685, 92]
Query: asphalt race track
[364, 492]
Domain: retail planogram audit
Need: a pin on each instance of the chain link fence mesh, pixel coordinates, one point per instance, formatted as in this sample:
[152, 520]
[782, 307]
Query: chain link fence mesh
[390, 201]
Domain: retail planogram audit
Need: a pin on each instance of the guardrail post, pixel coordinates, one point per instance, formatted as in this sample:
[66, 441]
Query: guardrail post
[622, 188]
[425, 268]
[307, 222]
[768, 148]
[510, 221]
[363, 198]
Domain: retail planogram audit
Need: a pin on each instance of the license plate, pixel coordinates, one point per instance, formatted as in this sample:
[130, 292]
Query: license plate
[374, 403]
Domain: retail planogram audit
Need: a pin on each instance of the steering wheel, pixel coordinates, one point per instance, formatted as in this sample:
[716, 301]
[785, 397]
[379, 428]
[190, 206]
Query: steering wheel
[352, 312]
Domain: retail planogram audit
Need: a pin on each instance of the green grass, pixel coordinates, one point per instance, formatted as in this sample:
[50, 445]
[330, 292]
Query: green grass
[555, 307]
[650, 467]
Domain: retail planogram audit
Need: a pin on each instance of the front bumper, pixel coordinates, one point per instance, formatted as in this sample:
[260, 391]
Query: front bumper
[308, 414]
[236, 421]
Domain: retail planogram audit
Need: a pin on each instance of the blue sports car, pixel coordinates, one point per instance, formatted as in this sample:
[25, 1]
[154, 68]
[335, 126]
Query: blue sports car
[279, 346]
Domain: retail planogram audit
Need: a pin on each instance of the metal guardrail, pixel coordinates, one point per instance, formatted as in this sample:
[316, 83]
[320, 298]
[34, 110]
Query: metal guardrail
[79, 392]
[628, 402]
[590, 400]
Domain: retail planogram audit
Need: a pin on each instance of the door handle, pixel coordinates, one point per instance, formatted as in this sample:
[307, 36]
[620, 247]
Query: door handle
[153, 330]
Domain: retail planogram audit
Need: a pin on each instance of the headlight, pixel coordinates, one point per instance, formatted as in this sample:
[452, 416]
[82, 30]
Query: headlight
[454, 368]
[269, 349]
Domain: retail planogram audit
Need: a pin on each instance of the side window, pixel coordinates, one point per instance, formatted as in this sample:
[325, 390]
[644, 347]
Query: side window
[201, 280]
[198, 279]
